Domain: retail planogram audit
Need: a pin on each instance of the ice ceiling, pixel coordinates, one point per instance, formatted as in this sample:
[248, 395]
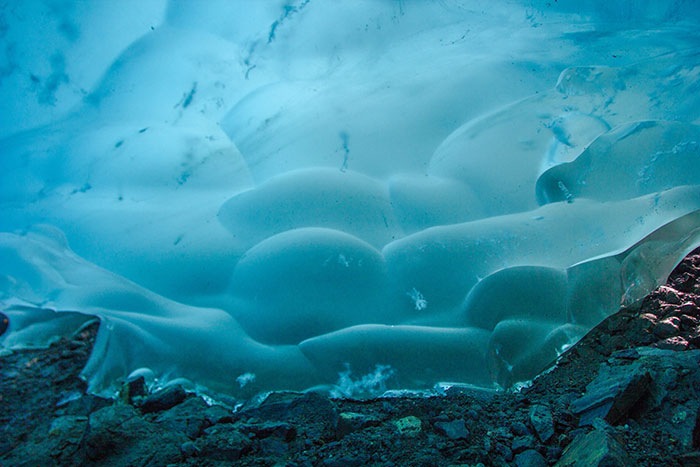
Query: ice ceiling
[261, 195]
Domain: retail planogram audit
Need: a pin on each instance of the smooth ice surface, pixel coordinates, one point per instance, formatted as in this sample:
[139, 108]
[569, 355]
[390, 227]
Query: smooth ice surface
[259, 195]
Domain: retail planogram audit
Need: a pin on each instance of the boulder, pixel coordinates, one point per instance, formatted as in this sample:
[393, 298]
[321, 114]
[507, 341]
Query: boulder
[283, 431]
[188, 418]
[668, 327]
[349, 422]
[542, 422]
[223, 443]
[612, 394]
[456, 429]
[522, 443]
[163, 399]
[595, 449]
[120, 435]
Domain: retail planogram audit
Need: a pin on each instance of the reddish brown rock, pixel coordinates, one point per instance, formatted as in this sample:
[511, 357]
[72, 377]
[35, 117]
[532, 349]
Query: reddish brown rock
[643, 322]
[668, 295]
[689, 308]
[673, 343]
[669, 310]
[689, 322]
[694, 338]
[668, 327]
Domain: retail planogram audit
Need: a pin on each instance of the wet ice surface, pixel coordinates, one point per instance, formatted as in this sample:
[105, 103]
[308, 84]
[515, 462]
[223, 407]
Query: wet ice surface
[297, 194]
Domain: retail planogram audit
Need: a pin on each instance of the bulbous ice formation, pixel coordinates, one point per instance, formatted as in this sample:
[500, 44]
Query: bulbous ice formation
[257, 197]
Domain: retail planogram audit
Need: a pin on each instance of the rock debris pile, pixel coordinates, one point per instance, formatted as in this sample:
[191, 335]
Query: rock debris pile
[625, 395]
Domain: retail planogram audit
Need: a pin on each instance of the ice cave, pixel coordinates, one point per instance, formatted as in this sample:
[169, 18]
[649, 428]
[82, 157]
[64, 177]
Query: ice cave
[347, 195]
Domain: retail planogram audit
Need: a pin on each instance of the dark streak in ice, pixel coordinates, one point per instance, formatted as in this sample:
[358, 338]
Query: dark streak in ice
[188, 99]
[289, 10]
[344, 138]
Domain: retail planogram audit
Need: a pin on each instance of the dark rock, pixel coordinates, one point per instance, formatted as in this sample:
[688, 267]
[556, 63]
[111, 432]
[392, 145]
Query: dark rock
[522, 443]
[690, 459]
[66, 432]
[542, 422]
[595, 449]
[568, 397]
[58, 445]
[83, 405]
[530, 458]
[672, 405]
[273, 447]
[612, 394]
[565, 421]
[164, 399]
[4, 323]
[102, 438]
[189, 449]
[218, 414]
[644, 322]
[626, 354]
[132, 389]
[519, 429]
[388, 408]
[553, 454]
[618, 341]
[315, 412]
[575, 433]
[223, 443]
[120, 434]
[454, 430]
[349, 422]
[471, 414]
[188, 418]
[503, 451]
[283, 431]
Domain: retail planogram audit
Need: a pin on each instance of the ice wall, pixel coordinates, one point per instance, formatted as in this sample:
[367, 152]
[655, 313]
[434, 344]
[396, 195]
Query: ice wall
[264, 195]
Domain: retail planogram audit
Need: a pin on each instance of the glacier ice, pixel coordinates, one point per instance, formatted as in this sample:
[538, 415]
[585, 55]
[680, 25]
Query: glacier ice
[279, 195]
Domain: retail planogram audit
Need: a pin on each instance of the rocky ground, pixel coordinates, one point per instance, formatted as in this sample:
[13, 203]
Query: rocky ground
[625, 395]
